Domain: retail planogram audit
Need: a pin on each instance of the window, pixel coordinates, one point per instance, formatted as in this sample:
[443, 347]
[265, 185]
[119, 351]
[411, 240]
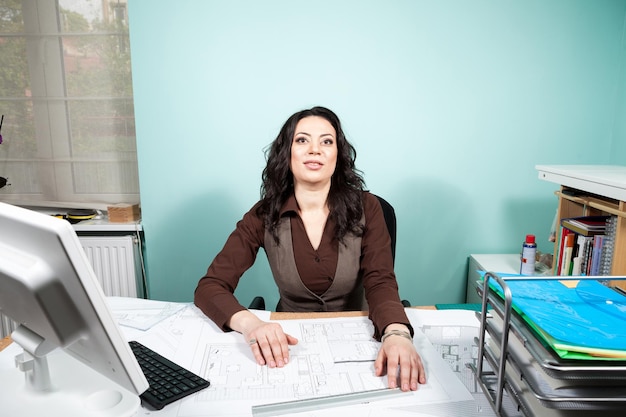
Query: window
[66, 96]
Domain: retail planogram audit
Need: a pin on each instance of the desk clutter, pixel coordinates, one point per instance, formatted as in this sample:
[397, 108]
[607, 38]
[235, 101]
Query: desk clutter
[330, 367]
[123, 213]
[117, 213]
[557, 347]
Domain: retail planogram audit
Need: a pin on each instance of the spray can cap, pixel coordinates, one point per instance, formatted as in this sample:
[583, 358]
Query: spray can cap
[530, 238]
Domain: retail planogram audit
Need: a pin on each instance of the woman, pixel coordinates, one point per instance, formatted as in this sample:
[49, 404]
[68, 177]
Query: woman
[327, 244]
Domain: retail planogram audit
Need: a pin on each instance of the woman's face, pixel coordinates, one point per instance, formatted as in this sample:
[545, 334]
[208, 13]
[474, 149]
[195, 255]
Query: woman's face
[313, 152]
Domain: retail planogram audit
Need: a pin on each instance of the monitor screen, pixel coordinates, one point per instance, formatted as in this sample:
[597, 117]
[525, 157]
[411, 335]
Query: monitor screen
[48, 287]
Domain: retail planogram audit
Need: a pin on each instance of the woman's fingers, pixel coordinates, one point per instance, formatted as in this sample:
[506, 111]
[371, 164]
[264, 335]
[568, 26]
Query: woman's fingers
[270, 345]
[403, 365]
[274, 351]
[256, 351]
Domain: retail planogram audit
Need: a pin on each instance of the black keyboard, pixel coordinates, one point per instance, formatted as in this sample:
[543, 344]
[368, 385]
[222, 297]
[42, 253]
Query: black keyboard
[168, 381]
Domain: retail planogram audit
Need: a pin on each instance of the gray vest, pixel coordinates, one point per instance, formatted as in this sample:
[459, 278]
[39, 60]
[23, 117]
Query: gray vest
[344, 294]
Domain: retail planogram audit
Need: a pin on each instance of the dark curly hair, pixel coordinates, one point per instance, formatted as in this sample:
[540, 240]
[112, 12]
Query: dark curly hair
[347, 184]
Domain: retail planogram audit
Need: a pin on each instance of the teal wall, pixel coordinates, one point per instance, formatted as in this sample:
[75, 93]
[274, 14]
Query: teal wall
[618, 149]
[450, 105]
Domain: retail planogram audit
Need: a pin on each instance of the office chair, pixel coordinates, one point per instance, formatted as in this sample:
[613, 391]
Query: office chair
[390, 218]
[389, 213]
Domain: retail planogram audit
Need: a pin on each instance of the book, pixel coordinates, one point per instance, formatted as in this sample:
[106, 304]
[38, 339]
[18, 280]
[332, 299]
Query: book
[606, 259]
[596, 254]
[592, 249]
[568, 248]
[563, 238]
[585, 263]
[579, 260]
[586, 225]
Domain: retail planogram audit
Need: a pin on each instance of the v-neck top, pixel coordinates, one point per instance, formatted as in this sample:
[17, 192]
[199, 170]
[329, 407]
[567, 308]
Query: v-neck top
[214, 294]
[345, 292]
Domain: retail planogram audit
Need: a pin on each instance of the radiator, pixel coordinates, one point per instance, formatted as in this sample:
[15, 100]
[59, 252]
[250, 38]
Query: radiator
[115, 261]
[6, 326]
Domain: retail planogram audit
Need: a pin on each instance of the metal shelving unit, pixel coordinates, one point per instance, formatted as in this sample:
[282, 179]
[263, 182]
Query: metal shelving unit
[521, 376]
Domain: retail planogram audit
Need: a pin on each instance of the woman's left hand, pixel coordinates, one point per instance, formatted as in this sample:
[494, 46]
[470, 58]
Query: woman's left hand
[399, 352]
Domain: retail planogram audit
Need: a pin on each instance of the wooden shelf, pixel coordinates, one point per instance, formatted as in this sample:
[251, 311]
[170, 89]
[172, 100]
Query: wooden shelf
[592, 190]
[591, 202]
[574, 202]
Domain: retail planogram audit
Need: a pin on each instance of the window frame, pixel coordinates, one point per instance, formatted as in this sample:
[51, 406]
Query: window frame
[55, 164]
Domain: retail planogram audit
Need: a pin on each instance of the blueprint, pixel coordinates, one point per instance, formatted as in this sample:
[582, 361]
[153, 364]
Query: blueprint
[457, 347]
[332, 357]
[141, 316]
[453, 334]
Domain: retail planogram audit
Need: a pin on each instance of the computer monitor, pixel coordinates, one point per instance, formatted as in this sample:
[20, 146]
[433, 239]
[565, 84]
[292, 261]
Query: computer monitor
[75, 359]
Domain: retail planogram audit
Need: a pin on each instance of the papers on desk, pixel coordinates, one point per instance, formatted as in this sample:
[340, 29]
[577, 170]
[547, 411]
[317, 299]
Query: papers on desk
[127, 312]
[320, 365]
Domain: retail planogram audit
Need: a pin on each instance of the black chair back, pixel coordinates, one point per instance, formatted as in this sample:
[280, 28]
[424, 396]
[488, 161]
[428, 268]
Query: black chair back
[390, 219]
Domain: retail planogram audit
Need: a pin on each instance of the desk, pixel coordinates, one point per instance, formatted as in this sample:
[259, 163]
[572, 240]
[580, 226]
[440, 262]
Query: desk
[5, 342]
[505, 263]
[279, 316]
[327, 315]
[189, 338]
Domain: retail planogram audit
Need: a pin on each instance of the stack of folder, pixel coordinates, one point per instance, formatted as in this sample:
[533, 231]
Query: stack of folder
[562, 343]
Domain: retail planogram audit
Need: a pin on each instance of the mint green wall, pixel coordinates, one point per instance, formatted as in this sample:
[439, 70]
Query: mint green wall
[618, 148]
[450, 105]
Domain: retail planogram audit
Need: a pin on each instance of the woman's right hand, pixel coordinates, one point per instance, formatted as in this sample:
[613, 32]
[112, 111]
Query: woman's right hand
[268, 342]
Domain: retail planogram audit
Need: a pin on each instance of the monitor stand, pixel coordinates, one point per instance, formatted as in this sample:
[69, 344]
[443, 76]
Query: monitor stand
[56, 384]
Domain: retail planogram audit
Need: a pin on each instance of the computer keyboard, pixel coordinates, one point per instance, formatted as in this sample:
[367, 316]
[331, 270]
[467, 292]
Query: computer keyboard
[168, 381]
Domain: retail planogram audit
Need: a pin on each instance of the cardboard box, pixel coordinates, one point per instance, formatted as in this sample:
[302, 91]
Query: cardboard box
[123, 213]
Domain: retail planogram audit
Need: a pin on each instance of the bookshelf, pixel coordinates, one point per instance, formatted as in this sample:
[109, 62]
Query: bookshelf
[592, 190]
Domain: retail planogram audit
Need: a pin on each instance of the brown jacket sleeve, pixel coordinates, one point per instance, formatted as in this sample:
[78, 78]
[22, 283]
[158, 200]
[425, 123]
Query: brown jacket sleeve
[214, 293]
[379, 279]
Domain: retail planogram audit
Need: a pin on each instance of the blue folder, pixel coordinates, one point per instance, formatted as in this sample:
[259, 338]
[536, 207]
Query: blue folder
[584, 320]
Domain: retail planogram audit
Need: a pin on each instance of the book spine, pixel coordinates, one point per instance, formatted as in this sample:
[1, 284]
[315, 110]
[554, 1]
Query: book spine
[563, 234]
[576, 252]
[578, 257]
[606, 259]
[586, 262]
[567, 255]
[596, 254]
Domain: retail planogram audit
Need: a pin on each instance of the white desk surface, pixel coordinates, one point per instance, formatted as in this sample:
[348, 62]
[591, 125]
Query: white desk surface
[505, 263]
[186, 336]
[605, 180]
